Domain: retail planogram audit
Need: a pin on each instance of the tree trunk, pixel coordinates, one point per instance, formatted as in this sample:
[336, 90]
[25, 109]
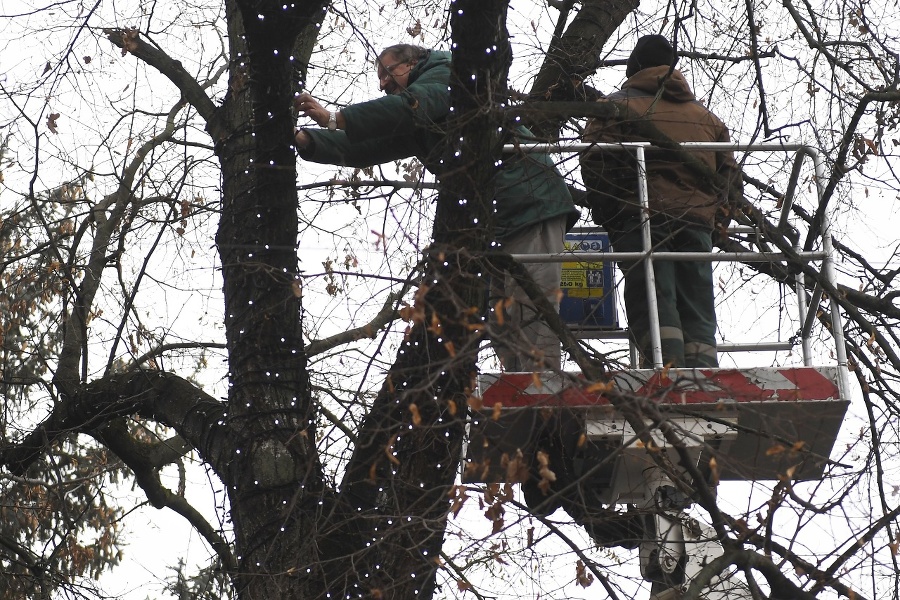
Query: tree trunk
[409, 451]
[575, 55]
[275, 471]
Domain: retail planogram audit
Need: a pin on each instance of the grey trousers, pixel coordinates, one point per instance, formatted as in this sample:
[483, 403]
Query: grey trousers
[524, 342]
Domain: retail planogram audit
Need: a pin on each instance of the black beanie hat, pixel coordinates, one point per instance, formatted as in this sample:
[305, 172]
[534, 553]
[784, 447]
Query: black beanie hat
[650, 51]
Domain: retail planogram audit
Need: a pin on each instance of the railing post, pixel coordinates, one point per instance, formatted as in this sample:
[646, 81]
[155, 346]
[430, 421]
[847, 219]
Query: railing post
[837, 323]
[650, 274]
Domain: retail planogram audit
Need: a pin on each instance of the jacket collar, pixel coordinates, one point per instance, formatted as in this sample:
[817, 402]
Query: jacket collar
[674, 86]
[433, 59]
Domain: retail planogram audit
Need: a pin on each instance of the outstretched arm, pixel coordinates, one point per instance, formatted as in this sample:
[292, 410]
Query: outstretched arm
[334, 147]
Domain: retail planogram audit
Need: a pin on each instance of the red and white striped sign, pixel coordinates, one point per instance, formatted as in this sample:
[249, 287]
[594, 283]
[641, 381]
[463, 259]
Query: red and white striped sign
[677, 386]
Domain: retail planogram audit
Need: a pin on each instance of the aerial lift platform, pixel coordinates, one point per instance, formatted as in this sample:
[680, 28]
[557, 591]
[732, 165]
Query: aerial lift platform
[761, 423]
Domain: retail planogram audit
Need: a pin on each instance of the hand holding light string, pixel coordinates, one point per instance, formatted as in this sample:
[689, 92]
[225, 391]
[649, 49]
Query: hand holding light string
[309, 107]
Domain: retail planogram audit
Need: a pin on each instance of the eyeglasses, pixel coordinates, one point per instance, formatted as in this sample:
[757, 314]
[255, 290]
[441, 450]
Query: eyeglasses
[386, 70]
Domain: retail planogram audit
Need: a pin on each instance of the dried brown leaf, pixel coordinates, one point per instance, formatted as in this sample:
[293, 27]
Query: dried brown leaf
[51, 122]
[775, 450]
[600, 387]
[582, 575]
[416, 416]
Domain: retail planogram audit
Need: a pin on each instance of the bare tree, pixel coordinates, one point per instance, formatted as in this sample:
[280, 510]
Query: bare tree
[346, 485]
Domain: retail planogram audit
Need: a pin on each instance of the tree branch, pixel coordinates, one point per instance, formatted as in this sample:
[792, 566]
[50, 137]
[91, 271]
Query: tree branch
[573, 55]
[387, 314]
[163, 348]
[754, 45]
[799, 564]
[129, 40]
[781, 586]
[576, 549]
[870, 303]
[145, 461]
[74, 349]
[31, 560]
[840, 166]
[853, 548]
[163, 397]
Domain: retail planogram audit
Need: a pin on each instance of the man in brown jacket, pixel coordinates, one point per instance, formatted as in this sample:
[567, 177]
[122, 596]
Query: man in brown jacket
[687, 193]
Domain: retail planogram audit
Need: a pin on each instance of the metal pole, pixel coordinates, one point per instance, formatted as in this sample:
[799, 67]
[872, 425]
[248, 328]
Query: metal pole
[766, 257]
[788, 200]
[810, 316]
[649, 273]
[800, 290]
[619, 146]
[837, 323]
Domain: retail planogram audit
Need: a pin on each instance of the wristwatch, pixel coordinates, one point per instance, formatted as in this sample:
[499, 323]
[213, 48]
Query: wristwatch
[332, 122]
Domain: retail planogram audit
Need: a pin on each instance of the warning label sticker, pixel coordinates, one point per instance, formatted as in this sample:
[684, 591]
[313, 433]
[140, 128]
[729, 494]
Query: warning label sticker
[582, 280]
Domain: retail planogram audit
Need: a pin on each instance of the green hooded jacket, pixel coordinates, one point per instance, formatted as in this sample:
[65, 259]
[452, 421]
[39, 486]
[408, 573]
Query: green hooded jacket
[529, 189]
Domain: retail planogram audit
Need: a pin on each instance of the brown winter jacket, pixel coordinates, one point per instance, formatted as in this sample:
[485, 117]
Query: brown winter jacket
[657, 105]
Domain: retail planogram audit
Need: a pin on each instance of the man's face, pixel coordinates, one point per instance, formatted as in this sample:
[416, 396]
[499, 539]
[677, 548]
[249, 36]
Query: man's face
[393, 74]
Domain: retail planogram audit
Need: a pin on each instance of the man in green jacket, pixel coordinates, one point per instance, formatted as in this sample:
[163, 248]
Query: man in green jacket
[685, 200]
[533, 204]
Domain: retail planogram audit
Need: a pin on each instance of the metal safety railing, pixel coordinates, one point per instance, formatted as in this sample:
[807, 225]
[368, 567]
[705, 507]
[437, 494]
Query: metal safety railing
[807, 310]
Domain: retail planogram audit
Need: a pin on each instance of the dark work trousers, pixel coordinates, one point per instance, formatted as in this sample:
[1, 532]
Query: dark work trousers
[684, 293]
